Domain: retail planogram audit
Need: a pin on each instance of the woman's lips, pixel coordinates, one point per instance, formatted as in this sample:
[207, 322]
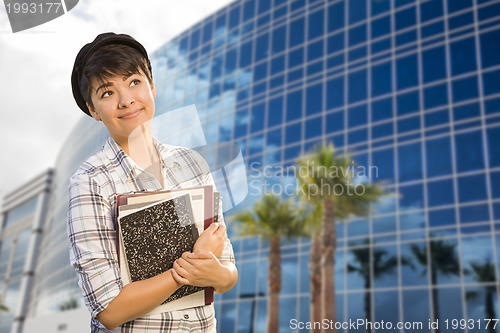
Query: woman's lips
[131, 114]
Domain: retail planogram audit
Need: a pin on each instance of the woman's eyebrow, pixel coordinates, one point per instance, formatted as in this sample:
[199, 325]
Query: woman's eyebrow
[109, 84]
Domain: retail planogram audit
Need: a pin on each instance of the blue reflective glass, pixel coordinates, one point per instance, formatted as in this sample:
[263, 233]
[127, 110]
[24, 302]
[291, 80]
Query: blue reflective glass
[357, 116]
[358, 53]
[466, 111]
[407, 72]
[357, 35]
[410, 162]
[234, 17]
[245, 54]
[465, 89]
[436, 118]
[334, 122]
[379, 7]
[277, 65]
[278, 39]
[296, 57]
[463, 56]
[381, 79]
[335, 61]
[490, 82]
[461, 20]
[430, 10]
[493, 135]
[495, 184]
[382, 109]
[195, 39]
[314, 127]
[381, 46]
[257, 122]
[434, 64]
[476, 213]
[412, 197]
[408, 103]
[241, 123]
[295, 75]
[263, 20]
[432, 29]
[275, 112]
[383, 160]
[264, 6]
[469, 151]
[357, 136]
[220, 25]
[262, 47]
[411, 221]
[296, 36]
[248, 10]
[336, 16]
[336, 43]
[255, 145]
[490, 48]
[216, 68]
[315, 50]
[292, 152]
[400, 3]
[454, 5]
[230, 62]
[438, 157]
[442, 217]
[416, 275]
[384, 224]
[294, 105]
[405, 18]
[440, 192]
[492, 106]
[207, 31]
[382, 299]
[260, 72]
[435, 96]
[316, 24]
[226, 128]
[381, 27]
[335, 93]
[472, 188]
[315, 68]
[380, 131]
[293, 133]
[357, 11]
[296, 4]
[357, 86]
[273, 139]
[408, 124]
[406, 37]
[314, 99]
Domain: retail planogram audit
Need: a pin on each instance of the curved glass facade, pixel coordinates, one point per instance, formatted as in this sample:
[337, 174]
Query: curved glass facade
[408, 87]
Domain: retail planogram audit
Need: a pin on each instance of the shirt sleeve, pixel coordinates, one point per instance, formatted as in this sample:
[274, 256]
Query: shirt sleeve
[227, 252]
[92, 243]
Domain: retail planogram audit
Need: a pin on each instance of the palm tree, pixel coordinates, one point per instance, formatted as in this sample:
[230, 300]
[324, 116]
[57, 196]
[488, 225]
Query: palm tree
[382, 265]
[443, 259]
[272, 219]
[325, 177]
[485, 273]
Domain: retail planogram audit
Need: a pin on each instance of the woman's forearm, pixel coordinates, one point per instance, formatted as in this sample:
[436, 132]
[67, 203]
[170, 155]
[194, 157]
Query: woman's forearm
[137, 299]
[228, 278]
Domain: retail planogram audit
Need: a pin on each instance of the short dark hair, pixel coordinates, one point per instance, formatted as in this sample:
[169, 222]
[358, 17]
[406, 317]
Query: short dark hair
[110, 60]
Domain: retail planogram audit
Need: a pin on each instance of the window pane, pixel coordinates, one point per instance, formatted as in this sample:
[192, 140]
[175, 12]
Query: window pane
[408, 103]
[438, 157]
[335, 93]
[381, 79]
[357, 86]
[314, 99]
[296, 32]
[357, 116]
[410, 162]
[490, 48]
[469, 151]
[336, 17]
[435, 96]
[405, 18]
[382, 109]
[434, 64]
[294, 105]
[416, 303]
[494, 146]
[465, 89]
[275, 112]
[463, 57]
[407, 72]
[262, 47]
[357, 11]
[412, 197]
[440, 192]
[472, 188]
[316, 24]
[415, 253]
[335, 122]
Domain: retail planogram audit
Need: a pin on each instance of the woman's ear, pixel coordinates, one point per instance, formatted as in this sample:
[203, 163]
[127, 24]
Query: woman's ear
[153, 90]
[93, 113]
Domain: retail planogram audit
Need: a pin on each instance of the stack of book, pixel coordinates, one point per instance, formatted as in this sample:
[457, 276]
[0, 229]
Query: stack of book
[156, 228]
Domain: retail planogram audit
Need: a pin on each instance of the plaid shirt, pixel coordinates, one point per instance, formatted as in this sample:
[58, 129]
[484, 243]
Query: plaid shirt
[92, 202]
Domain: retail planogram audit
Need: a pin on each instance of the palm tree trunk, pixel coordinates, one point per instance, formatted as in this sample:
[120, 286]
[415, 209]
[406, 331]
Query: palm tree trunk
[435, 303]
[489, 310]
[274, 285]
[368, 301]
[315, 281]
[328, 243]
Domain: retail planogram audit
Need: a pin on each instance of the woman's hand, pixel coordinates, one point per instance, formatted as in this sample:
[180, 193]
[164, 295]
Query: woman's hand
[212, 239]
[201, 268]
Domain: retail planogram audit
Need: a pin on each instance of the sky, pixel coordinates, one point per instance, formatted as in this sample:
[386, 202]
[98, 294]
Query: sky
[37, 108]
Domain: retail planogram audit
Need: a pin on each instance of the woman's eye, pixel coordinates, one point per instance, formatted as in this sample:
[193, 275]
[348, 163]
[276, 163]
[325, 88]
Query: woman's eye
[134, 82]
[105, 94]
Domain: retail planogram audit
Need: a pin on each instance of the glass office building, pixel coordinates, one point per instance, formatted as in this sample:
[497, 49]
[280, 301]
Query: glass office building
[408, 87]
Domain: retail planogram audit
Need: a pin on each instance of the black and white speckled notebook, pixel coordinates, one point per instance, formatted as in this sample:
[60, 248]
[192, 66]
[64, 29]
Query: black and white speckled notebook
[155, 236]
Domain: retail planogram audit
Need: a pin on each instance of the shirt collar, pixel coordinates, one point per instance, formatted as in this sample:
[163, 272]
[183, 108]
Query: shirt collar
[122, 163]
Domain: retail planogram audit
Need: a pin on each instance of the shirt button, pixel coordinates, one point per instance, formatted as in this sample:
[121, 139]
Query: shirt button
[186, 316]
